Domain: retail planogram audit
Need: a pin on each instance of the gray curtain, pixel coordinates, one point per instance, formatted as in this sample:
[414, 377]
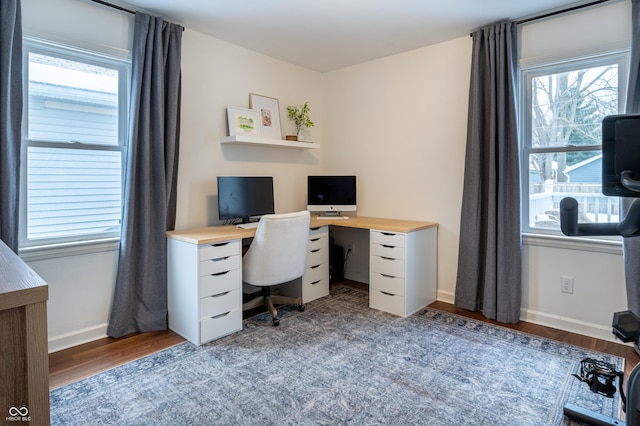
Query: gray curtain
[140, 298]
[10, 119]
[631, 246]
[489, 258]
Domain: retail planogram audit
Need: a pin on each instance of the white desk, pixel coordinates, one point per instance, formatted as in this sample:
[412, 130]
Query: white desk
[205, 274]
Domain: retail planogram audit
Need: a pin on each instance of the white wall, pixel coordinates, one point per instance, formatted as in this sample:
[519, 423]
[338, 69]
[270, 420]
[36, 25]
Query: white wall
[398, 123]
[215, 74]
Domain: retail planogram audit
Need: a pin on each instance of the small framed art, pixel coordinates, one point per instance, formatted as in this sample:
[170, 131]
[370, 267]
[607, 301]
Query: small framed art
[243, 121]
[269, 111]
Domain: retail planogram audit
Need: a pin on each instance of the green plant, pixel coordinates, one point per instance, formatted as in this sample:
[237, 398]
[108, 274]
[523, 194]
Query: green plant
[299, 114]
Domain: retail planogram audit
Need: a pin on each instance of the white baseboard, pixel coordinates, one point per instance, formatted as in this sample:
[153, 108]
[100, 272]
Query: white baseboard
[555, 321]
[77, 337]
[569, 324]
[445, 296]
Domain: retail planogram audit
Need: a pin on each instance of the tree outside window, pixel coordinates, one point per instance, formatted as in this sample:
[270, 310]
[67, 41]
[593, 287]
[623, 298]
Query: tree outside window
[565, 105]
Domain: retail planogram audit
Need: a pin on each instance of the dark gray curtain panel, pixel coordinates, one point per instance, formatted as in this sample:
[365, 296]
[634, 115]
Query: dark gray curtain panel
[489, 257]
[631, 246]
[10, 119]
[140, 297]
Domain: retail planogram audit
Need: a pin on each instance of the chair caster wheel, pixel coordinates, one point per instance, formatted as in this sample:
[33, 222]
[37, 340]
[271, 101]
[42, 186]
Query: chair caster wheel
[276, 322]
[301, 308]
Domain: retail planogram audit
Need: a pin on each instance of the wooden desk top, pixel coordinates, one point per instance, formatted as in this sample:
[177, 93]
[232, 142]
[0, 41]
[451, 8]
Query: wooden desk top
[19, 284]
[213, 234]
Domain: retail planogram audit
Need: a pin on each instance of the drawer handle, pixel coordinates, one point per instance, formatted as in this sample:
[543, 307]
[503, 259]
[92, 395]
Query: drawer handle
[220, 259]
[314, 251]
[315, 282]
[313, 267]
[220, 244]
[388, 233]
[220, 273]
[387, 258]
[219, 295]
[386, 294]
[387, 276]
[221, 315]
[387, 246]
[313, 240]
[315, 229]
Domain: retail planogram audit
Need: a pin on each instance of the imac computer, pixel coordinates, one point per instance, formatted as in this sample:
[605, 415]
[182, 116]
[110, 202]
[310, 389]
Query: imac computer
[331, 195]
[242, 198]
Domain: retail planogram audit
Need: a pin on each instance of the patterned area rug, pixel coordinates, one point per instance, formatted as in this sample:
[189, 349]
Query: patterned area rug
[341, 363]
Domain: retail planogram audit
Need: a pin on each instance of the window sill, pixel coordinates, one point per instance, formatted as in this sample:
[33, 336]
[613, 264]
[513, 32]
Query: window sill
[52, 251]
[610, 246]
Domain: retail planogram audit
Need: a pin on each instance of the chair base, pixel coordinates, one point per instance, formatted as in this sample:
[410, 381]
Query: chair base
[269, 300]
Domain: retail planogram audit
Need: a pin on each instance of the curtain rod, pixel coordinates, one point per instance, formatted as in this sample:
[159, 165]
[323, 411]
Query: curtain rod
[114, 6]
[557, 12]
[119, 8]
[561, 11]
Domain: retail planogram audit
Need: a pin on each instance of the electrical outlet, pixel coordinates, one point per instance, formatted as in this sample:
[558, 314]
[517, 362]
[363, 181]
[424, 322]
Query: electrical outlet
[566, 284]
[351, 247]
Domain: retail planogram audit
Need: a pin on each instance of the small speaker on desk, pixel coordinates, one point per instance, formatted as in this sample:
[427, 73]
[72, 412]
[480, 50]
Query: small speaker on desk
[336, 263]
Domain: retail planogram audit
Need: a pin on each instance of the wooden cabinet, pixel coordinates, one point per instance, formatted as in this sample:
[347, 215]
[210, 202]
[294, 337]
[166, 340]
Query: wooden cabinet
[402, 270]
[24, 362]
[315, 281]
[204, 289]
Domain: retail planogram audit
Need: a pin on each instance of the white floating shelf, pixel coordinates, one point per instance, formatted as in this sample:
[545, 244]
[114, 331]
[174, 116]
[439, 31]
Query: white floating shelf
[252, 140]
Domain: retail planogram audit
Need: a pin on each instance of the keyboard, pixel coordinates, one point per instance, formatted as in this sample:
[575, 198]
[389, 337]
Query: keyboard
[247, 225]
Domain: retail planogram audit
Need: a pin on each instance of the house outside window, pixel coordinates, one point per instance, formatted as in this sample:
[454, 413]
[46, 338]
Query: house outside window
[74, 134]
[563, 105]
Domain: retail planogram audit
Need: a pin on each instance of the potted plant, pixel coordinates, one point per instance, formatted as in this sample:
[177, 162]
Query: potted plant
[299, 114]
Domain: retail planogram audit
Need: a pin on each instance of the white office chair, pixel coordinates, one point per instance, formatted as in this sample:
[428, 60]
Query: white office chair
[277, 255]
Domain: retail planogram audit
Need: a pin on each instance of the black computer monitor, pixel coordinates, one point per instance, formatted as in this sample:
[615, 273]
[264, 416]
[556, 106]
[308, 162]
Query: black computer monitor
[244, 197]
[331, 194]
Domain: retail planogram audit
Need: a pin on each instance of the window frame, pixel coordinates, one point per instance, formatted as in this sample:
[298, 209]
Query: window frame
[60, 246]
[526, 74]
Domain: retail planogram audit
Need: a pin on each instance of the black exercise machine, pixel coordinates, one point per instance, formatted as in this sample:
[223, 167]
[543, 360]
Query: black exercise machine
[620, 177]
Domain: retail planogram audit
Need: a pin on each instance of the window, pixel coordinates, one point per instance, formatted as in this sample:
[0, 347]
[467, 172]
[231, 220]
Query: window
[563, 108]
[73, 145]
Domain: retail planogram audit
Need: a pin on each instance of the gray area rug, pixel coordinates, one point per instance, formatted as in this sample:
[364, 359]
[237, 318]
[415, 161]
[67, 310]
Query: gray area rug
[341, 363]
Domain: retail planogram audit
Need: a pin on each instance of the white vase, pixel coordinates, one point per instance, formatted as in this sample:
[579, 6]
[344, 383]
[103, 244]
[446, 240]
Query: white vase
[300, 135]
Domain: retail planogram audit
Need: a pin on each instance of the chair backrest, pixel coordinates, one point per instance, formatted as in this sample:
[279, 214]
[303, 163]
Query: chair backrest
[278, 251]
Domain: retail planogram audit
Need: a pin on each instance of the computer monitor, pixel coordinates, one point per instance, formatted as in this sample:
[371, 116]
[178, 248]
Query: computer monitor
[244, 197]
[620, 155]
[331, 194]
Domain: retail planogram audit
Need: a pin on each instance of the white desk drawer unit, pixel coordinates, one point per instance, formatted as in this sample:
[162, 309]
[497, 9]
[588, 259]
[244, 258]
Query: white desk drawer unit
[315, 281]
[204, 289]
[402, 270]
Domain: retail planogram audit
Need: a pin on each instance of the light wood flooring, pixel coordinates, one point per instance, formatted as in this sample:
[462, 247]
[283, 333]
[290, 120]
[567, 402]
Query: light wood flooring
[70, 365]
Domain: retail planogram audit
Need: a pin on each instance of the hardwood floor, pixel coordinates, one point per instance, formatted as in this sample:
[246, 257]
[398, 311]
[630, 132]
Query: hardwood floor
[619, 349]
[70, 365]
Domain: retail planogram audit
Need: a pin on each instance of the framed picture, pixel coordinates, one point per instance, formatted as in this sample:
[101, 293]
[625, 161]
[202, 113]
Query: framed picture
[243, 121]
[269, 111]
